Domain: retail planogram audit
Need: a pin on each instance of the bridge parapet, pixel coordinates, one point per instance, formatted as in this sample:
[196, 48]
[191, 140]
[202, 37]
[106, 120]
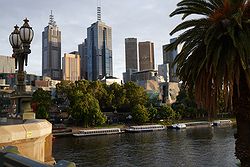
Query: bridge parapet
[10, 156]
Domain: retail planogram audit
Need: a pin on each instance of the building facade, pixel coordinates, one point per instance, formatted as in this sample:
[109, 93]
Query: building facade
[131, 53]
[163, 70]
[7, 64]
[51, 50]
[82, 49]
[168, 58]
[131, 58]
[146, 56]
[99, 51]
[71, 66]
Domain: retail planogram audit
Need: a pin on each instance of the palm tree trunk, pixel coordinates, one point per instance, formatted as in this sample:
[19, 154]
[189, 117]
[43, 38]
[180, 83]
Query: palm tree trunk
[241, 106]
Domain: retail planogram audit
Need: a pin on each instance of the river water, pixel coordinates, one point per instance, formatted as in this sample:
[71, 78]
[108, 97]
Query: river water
[194, 147]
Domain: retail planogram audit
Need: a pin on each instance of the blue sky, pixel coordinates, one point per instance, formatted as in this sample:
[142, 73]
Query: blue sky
[146, 20]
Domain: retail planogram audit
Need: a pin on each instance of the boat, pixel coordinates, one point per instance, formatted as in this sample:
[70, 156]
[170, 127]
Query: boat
[94, 132]
[181, 126]
[222, 122]
[145, 128]
[178, 126]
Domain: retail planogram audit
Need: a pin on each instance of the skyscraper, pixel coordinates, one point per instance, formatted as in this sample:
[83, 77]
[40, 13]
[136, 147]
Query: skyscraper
[99, 50]
[51, 50]
[146, 56]
[131, 58]
[131, 53]
[82, 49]
[71, 66]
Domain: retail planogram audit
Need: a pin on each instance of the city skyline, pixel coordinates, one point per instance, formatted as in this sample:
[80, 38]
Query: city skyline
[147, 21]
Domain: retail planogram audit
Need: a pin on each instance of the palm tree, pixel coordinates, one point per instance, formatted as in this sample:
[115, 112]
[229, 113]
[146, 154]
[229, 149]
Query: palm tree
[215, 57]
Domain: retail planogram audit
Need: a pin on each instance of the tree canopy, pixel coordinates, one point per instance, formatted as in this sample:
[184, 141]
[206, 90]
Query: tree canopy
[215, 47]
[214, 59]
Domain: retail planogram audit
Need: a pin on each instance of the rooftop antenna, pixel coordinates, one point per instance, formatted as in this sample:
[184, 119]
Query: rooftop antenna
[51, 19]
[99, 14]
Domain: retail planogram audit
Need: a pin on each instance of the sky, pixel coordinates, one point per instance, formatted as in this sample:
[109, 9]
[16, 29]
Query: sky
[146, 20]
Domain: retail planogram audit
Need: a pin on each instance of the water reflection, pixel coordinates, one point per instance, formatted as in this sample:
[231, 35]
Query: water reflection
[191, 147]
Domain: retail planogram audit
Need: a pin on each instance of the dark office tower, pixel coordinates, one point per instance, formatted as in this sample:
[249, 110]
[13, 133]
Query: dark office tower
[82, 49]
[146, 56]
[51, 50]
[99, 50]
[131, 58]
[131, 53]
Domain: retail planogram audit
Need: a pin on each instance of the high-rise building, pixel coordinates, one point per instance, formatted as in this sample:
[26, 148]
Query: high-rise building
[131, 53]
[82, 49]
[99, 50]
[51, 50]
[146, 56]
[131, 58]
[168, 58]
[71, 66]
[7, 64]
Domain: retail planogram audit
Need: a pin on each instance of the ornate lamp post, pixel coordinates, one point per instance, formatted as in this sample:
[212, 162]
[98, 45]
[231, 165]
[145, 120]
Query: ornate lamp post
[20, 40]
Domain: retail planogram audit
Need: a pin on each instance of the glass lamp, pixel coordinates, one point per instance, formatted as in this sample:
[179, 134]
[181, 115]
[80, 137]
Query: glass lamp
[15, 39]
[26, 32]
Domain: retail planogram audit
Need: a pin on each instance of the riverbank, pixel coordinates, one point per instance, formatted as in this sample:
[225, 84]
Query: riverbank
[70, 130]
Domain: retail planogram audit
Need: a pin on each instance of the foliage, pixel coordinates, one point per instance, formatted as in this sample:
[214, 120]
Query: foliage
[42, 100]
[42, 112]
[86, 110]
[118, 96]
[85, 98]
[135, 95]
[139, 114]
[153, 113]
[185, 105]
[215, 48]
[166, 112]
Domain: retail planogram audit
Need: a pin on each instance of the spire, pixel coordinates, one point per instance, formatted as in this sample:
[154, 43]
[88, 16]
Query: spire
[52, 22]
[99, 18]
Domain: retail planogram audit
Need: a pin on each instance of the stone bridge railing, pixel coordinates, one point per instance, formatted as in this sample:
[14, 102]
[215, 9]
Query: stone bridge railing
[10, 157]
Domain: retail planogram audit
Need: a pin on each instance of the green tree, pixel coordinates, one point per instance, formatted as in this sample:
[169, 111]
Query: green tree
[153, 113]
[86, 110]
[118, 95]
[135, 95]
[42, 100]
[166, 112]
[140, 114]
[215, 57]
[185, 105]
[64, 92]
[42, 112]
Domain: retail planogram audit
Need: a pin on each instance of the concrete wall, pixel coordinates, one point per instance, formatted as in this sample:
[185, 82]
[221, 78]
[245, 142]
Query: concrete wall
[33, 139]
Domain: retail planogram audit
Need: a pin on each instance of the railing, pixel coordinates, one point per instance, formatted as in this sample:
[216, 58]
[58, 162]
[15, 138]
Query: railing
[10, 157]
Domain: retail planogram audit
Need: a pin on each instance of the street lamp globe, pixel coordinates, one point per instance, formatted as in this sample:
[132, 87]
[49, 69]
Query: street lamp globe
[26, 32]
[15, 39]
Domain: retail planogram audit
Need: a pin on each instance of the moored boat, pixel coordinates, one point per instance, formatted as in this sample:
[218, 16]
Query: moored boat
[145, 128]
[94, 132]
[178, 126]
[181, 126]
[226, 122]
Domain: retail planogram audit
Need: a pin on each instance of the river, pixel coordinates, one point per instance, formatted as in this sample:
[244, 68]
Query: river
[194, 147]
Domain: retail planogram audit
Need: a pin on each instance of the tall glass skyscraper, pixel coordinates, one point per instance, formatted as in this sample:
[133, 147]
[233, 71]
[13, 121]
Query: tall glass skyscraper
[99, 50]
[51, 50]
